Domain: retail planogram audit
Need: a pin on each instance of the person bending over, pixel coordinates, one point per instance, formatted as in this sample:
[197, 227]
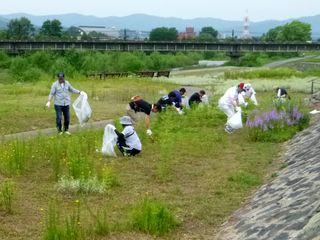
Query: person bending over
[128, 141]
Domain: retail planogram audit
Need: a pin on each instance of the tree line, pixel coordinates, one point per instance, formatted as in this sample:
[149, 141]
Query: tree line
[23, 29]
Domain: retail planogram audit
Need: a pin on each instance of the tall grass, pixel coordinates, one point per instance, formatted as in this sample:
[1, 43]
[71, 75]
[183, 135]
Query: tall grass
[6, 195]
[153, 217]
[69, 229]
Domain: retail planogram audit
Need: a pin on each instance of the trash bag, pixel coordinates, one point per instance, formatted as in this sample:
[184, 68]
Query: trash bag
[82, 109]
[109, 141]
[235, 121]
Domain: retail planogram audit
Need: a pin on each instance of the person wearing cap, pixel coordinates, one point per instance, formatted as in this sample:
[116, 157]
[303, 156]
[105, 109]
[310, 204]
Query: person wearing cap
[136, 105]
[197, 97]
[61, 92]
[174, 99]
[230, 103]
[128, 142]
[250, 93]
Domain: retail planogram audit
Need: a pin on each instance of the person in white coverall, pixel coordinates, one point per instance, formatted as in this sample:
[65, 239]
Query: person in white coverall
[230, 102]
[250, 93]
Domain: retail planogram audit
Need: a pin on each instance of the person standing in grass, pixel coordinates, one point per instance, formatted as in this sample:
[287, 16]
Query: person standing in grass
[137, 104]
[128, 142]
[196, 98]
[61, 92]
[230, 103]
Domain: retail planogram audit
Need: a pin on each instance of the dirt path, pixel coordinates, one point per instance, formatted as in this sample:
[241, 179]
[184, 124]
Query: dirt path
[52, 131]
[284, 62]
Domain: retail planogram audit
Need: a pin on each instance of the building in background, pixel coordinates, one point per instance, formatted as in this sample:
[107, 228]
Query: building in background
[189, 34]
[109, 32]
[127, 34]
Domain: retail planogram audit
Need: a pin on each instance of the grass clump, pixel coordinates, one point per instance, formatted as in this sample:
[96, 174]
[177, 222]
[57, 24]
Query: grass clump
[6, 195]
[69, 229]
[245, 179]
[153, 217]
[92, 184]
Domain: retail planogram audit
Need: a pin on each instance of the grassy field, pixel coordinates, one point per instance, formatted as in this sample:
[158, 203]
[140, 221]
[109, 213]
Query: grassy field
[190, 172]
[108, 98]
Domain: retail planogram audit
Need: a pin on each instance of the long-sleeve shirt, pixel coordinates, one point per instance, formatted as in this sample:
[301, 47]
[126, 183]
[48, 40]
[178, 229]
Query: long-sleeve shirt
[230, 97]
[61, 92]
[176, 98]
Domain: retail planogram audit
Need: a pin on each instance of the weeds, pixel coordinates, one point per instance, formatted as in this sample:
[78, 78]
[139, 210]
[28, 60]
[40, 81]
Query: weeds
[153, 217]
[6, 195]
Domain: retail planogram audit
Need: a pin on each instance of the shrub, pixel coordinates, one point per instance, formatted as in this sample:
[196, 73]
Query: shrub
[6, 195]
[153, 217]
[31, 75]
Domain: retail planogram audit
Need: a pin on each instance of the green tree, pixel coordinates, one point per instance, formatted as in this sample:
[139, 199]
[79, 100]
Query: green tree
[51, 29]
[3, 34]
[163, 34]
[20, 29]
[295, 31]
[208, 34]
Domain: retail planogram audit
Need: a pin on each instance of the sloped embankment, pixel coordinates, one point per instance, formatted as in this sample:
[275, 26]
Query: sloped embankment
[289, 206]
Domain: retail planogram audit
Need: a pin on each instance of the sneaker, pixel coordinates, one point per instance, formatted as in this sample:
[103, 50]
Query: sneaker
[68, 133]
[60, 132]
[228, 129]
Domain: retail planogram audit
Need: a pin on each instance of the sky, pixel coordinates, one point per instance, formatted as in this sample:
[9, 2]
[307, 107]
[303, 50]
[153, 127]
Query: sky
[225, 9]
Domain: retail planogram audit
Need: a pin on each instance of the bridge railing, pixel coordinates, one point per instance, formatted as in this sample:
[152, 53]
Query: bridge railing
[146, 46]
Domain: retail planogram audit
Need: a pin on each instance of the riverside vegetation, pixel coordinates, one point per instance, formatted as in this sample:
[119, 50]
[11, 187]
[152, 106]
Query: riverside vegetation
[188, 179]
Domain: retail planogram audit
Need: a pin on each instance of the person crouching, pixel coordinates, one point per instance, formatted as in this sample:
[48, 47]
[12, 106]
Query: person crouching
[128, 142]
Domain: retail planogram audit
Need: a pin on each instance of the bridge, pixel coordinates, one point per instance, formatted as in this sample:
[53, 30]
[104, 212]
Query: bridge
[234, 49]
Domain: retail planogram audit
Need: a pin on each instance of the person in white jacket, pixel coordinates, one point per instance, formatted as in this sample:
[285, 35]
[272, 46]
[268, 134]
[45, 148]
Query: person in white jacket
[230, 102]
[250, 93]
[128, 141]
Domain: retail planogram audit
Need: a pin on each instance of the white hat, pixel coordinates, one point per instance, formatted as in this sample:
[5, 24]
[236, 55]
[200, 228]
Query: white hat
[126, 120]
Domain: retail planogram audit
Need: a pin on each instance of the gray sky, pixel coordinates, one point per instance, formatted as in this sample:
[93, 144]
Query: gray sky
[225, 9]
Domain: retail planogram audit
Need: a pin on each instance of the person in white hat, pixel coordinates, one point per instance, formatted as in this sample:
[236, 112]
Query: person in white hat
[250, 93]
[128, 142]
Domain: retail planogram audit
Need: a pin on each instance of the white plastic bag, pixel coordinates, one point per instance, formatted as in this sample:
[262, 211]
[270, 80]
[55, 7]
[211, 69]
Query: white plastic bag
[109, 141]
[235, 121]
[82, 109]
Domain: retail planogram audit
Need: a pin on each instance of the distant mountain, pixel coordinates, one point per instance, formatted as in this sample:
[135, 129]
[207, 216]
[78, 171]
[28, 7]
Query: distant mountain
[3, 22]
[145, 22]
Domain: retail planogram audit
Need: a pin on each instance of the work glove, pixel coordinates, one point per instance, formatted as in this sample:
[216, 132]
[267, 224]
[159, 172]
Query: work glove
[82, 93]
[238, 109]
[180, 111]
[149, 132]
[48, 104]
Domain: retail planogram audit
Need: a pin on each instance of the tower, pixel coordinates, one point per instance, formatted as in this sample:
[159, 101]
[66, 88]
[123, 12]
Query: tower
[246, 27]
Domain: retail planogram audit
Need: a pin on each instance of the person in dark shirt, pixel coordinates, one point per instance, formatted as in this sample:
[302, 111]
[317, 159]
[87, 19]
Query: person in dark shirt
[137, 104]
[196, 98]
[175, 97]
[282, 93]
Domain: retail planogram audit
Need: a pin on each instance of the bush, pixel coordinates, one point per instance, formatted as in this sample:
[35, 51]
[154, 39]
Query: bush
[31, 75]
[153, 217]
